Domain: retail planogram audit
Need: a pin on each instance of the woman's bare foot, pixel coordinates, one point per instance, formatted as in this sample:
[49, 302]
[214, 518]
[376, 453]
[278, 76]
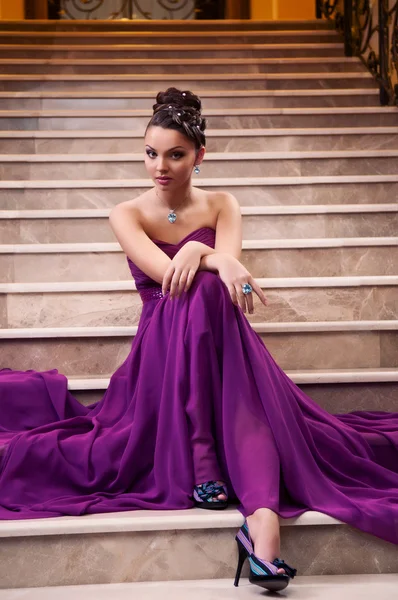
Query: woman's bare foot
[263, 527]
[221, 497]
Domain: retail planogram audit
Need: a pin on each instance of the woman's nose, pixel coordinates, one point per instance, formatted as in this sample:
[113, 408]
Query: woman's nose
[161, 164]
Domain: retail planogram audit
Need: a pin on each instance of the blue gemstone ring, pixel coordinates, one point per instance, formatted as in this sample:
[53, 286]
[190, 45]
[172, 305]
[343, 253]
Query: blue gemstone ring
[247, 288]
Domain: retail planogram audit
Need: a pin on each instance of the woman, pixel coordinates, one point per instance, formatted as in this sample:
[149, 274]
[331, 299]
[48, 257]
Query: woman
[199, 413]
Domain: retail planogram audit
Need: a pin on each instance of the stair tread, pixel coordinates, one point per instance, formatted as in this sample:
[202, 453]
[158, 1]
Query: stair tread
[265, 283]
[210, 156]
[73, 247]
[290, 209]
[181, 61]
[208, 182]
[175, 34]
[314, 376]
[319, 587]
[265, 327]
[202, 93]
[170, 47]
[162, 77]
[146, 520]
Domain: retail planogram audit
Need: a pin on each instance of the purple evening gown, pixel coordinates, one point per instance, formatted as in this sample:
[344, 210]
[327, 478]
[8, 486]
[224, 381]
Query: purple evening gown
[199, 397]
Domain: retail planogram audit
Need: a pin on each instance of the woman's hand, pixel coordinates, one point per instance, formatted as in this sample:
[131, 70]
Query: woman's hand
[182, 270]
[234, 275]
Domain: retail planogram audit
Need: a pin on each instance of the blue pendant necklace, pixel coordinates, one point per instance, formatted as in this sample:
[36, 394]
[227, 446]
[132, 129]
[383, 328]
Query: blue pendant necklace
[172, 217]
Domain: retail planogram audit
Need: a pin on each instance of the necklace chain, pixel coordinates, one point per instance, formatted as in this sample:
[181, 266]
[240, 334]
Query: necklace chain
[172, 216]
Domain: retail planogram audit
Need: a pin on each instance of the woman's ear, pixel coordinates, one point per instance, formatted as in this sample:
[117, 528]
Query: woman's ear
[200, 155]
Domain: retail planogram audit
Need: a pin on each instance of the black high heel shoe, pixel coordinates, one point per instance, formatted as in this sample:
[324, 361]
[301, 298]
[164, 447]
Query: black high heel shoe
[262, 573]
[206, 495]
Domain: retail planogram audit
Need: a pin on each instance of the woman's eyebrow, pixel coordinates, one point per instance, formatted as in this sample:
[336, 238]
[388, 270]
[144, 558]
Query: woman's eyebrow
[175, 147]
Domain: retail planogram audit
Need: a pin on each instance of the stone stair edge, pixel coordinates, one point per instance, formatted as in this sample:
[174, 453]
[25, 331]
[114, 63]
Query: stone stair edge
[167, 34]
[260, 327]
[290, 209]
[210, 156]
[209, 182]
[181, 61]
[327, 586]
[190, 23]
[212, 112]
[171, 47]
[207, 93]
[146, 520]
[166, 77]
[265, 283]
[300, 243]
[213, 133]
[301, 377]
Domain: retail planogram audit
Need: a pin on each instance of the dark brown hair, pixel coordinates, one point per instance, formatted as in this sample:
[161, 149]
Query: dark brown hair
[181, 111]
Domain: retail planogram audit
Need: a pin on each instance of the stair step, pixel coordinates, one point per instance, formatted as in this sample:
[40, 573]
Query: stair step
[171, 51]
[263, 258]
[117, 303]
[175, 537]
[161, 38]
[282, 222]
[301, 117]
[294, 346]
[135, 25]
[321, 377]
[230, 164]
[129, 331]
[218, 140]
[335, 390]
[328, 587]
[191, 66]
[147, 520]
[102, 100]
[333, 190]
[100, 213]
[155, 81]
[246, 245]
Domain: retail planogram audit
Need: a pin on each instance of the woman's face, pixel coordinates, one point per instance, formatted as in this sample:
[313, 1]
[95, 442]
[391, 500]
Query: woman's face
[170, 157]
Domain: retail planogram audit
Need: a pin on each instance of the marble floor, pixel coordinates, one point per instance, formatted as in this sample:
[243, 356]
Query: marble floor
[336, 587]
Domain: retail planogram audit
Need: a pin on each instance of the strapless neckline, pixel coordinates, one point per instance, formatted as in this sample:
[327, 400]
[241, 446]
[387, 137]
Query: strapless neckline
[183, 239]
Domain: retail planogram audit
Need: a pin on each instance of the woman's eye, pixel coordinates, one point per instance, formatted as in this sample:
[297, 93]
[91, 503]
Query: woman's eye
[177, 155]
[149, 152]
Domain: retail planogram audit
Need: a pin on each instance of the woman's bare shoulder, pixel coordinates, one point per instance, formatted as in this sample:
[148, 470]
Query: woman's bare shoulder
[133, 207]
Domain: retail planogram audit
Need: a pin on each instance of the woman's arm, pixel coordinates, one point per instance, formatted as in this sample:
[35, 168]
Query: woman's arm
[228, 233]
[125, 223]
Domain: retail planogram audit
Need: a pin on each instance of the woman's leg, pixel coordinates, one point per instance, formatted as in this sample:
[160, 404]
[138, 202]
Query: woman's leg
[263, 527]
[200, 416]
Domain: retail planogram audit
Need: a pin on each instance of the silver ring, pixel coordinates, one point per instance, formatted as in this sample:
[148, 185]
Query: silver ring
[247, 288]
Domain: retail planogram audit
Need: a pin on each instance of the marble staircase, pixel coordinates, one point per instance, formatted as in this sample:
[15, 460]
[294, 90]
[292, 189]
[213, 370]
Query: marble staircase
[296, 133]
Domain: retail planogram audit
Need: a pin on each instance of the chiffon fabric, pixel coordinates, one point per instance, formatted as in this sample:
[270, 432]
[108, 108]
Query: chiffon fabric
[199, 397]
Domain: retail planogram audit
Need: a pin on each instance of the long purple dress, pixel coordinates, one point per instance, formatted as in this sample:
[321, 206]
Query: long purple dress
[199, 397]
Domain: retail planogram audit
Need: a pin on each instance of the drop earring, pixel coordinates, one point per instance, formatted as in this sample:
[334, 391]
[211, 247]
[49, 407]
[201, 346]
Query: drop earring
[196, 169]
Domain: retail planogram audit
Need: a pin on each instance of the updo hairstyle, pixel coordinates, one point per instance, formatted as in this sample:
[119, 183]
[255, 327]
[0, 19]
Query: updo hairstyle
[181, 111]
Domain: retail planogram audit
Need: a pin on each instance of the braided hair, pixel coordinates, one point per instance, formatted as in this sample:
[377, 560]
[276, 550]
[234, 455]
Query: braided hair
[181, 111]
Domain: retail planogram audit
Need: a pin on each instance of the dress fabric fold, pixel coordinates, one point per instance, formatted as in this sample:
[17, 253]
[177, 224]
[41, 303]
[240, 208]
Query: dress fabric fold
[199, 397]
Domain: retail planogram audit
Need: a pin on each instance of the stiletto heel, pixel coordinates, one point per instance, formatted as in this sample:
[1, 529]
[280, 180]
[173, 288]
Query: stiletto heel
[262, 573]
[241, 559]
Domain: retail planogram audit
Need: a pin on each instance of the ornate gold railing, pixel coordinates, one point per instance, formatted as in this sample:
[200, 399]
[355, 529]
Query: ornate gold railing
[123, 9]
[370, 29]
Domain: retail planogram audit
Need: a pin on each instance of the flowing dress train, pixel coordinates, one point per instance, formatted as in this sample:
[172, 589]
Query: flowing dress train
[199, 397]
